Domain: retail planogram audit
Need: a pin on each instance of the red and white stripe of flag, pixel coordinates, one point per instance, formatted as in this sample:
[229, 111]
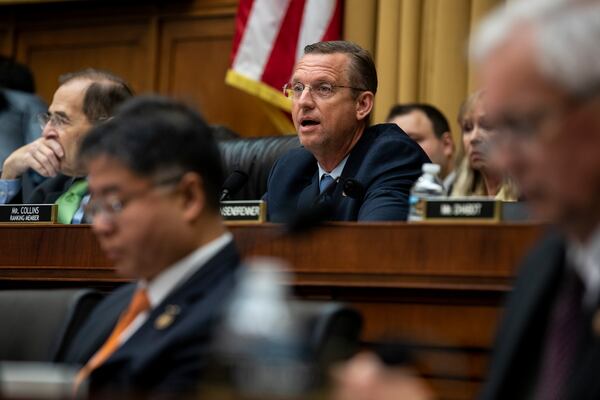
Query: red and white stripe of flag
[270, 37]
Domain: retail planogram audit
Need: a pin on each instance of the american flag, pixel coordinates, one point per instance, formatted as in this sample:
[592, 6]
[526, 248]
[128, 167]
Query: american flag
[270, 37]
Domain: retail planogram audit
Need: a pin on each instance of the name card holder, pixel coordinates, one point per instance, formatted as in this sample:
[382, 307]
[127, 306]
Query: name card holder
[249, 211]
[474, 210]
[28, 213]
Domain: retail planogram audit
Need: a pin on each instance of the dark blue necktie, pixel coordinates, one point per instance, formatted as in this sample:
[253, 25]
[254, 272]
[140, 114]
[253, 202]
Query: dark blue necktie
[326, 181]
[564, 332]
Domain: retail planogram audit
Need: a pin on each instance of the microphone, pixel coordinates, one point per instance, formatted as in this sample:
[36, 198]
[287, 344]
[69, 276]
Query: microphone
[322, 207]
[233, 184]
[351, 188]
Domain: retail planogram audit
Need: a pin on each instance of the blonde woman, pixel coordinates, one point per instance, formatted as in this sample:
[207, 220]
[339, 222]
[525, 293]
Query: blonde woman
[478, 174]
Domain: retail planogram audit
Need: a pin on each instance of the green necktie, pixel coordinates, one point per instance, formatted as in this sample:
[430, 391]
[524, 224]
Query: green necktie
[69, 201]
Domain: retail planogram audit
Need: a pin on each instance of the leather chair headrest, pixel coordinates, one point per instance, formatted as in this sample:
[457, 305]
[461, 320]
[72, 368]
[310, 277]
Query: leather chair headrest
[254, 156]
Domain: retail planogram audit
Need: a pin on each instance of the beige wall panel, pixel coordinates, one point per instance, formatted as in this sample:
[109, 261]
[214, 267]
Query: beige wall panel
[444, 55]
[421, 52]
[386, 56]
[408, 50]
[194, 59]
[479, 9]
[121, 49]
[360, 21]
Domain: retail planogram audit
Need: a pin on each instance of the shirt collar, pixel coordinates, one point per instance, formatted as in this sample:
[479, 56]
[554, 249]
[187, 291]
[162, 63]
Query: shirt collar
[585, 259]
[336, 172]
[165, 282]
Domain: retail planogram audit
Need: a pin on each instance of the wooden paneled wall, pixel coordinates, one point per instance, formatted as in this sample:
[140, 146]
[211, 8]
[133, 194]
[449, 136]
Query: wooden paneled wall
[179, 48]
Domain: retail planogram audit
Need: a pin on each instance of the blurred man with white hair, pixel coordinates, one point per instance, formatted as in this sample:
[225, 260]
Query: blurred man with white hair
[540, 64]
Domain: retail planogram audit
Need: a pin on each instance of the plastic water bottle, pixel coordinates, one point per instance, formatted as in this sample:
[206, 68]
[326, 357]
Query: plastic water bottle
[427, 186]
[261, 340]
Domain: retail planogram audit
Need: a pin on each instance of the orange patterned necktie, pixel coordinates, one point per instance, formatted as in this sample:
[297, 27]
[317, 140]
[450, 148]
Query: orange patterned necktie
[138, 305]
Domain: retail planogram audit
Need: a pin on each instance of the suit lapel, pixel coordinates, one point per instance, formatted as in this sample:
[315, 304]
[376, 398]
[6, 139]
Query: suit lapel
[93, 335]
[584, 382]
[50, 190]
[176, 306]
[309, 193]
[532, 298]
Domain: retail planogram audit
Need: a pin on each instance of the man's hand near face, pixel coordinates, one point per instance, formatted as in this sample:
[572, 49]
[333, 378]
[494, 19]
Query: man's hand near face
[42, 155]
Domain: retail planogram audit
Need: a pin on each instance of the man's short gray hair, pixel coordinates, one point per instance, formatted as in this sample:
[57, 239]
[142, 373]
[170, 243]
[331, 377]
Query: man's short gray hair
[566, 35]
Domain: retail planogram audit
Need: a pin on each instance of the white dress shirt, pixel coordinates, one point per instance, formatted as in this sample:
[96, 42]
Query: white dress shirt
[171, 278]
[585, 259]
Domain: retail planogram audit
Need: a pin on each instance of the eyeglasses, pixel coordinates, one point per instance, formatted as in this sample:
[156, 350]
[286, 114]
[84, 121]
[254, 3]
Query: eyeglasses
[112, 206]
[322, 90]
[544, 118]
[55, 120]
[526, 126]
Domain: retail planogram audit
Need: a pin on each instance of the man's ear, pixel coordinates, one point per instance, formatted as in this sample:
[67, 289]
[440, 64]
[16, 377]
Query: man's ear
[448, 144]
[364, 105]
[194, 198]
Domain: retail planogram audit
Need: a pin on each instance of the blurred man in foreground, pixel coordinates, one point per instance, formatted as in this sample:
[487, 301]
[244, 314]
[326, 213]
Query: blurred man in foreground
[427, 125]
[155, 175]
[332, 91]
[84, 99]
[540, 66]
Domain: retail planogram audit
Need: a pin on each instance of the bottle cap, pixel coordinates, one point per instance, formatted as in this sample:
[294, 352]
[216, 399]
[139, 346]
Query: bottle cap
[430, 168]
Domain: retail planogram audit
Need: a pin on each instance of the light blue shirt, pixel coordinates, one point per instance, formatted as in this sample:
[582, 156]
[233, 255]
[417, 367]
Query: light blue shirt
[9, 189]
[336, 172]
[79, 214]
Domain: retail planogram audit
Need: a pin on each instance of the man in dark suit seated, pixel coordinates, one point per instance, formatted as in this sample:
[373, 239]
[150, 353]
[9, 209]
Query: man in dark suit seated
[155, 175]
[332, 91]
[427, 125]
[83, 99]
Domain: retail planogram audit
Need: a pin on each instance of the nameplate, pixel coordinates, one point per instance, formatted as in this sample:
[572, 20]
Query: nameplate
[462, 210]
[516, 211]
[28, 213]
[244, 211]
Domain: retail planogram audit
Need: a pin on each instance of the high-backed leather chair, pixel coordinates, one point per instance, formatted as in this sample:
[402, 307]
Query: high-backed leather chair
[331, 330]
[254, 156]
[263, 363]
[38, 324]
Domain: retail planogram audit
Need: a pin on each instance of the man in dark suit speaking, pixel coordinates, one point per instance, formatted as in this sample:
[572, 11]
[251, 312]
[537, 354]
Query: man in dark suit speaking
[540, 65]
[84, 99]
[155, 175]
[332, 91]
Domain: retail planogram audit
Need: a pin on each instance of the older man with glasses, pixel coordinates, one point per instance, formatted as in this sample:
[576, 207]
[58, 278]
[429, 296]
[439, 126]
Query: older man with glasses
[332, 90]
[540, 65]
[83, 99]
